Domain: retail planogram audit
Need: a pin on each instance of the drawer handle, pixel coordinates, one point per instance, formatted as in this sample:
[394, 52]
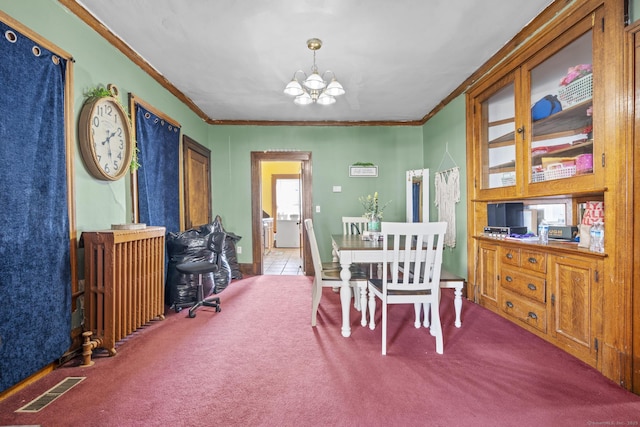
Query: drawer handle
[532, 260]
[508, 279]
[533, 315]
[509, 304]
[531, 286]
[510, 255]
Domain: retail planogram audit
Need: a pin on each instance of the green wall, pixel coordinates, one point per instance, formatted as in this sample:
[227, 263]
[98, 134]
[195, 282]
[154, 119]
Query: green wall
[333, 149]
[394, 149]
[446, 132]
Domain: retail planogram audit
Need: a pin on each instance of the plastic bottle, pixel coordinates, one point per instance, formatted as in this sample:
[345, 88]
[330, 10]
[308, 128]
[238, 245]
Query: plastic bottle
[596, 234]
[543, 232]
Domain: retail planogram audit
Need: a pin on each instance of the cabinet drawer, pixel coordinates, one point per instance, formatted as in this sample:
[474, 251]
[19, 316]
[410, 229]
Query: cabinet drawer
[536, 261]
[526, 311]
[510, 256]
[524, 283]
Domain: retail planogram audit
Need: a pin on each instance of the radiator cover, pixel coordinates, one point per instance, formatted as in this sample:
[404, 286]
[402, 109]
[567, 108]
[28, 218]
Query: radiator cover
[124, 282]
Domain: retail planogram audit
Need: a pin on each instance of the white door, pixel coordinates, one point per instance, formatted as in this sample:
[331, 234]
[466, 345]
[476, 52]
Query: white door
[288, 213]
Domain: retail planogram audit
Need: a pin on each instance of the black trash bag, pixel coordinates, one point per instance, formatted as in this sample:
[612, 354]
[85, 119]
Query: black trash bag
[230, 244]
[190, 246]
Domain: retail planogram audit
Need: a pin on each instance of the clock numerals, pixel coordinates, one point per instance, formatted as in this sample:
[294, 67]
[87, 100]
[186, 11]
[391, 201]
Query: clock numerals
[104, 110]
[108, 167]
[106, 141]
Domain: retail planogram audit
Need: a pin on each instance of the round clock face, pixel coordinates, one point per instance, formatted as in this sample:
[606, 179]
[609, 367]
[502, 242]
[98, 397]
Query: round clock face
[105, 139]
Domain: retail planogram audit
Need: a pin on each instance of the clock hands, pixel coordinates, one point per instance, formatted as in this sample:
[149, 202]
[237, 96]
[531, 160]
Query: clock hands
[108, 137]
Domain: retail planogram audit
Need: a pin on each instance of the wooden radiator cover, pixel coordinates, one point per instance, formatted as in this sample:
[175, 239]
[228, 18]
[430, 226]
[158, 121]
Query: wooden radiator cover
[124, 282]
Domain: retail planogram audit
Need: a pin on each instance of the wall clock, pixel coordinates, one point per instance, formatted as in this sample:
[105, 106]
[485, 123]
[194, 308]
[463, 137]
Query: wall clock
[104, 132]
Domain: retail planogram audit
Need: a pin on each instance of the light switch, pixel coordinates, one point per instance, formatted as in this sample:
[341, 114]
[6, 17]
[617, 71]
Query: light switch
[318, 209]
[337, 189]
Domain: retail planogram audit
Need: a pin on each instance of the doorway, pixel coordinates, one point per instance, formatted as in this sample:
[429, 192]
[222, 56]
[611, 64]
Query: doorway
[260, 214]
[286, 207]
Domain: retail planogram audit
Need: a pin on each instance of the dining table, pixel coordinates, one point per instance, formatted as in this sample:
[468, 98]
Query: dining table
[351, 249]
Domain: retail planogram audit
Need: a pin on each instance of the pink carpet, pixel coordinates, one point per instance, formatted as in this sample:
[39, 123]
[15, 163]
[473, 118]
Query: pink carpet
[259, 363]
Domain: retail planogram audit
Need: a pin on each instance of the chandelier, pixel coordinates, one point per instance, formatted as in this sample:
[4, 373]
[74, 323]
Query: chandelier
[314, 88]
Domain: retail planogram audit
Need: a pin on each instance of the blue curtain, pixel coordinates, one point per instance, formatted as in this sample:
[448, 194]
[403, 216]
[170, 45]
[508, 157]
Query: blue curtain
[158, 180]
[35, 267]
[417, 193]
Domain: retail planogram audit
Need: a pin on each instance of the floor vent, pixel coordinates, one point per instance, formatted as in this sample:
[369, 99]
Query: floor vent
[50, 395]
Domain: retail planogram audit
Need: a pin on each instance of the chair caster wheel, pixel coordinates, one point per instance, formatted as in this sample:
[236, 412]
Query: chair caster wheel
[192, 314]
[218, 309]
[178, 309]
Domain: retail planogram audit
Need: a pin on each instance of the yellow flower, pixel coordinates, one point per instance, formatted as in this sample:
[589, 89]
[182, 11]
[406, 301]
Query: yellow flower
[371, 206]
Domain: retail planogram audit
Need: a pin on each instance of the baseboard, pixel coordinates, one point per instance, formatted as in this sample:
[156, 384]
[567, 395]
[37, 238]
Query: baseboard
[28, 381]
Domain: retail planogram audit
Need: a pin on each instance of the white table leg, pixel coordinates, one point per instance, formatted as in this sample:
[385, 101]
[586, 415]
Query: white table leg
[345, 298]
[457, 303]
[363, 302]
[372, 311]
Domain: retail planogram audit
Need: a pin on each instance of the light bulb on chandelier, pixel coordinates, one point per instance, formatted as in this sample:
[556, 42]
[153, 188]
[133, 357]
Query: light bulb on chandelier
[314, 88]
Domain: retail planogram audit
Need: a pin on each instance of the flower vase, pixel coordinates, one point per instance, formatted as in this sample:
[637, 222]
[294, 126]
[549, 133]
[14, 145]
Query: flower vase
[374, 224]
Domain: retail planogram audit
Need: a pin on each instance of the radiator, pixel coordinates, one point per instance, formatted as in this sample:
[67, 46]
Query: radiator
[124, 282]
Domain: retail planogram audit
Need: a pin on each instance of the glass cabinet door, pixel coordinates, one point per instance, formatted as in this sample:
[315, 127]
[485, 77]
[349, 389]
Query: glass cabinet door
[561, 90]
[497, 135]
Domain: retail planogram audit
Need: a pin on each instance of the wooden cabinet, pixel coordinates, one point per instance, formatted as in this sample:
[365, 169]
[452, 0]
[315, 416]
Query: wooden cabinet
[575, 299]
[521, 152]
[488, 274]
[523, 285]
[550, 290]
[575, 295]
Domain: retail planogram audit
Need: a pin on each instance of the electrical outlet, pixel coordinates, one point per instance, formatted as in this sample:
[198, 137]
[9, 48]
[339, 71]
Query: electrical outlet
[239, 249]
[318, 209]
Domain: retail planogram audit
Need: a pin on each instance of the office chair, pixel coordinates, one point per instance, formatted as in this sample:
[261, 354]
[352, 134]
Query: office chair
[215, 244]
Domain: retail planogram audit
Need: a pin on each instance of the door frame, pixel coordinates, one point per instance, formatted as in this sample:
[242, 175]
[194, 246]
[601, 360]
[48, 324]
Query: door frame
[257, 157]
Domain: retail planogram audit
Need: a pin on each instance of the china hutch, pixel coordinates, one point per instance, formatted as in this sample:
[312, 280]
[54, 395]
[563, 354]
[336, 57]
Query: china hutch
[546, 127]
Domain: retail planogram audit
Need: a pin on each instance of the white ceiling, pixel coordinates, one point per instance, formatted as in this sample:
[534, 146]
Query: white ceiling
[397, 60]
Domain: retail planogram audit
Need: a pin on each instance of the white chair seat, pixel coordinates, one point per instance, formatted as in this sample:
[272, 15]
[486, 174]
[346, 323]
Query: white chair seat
[377, 283]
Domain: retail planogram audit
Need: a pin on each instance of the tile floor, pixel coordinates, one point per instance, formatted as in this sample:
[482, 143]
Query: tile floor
[282, 262]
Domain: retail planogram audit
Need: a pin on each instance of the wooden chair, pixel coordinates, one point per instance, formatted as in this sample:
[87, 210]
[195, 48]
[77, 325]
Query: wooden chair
[417, 247]
[326, 277]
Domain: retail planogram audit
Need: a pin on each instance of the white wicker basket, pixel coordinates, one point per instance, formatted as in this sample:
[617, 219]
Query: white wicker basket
[508, 178]
[577, 91]
[553, 171]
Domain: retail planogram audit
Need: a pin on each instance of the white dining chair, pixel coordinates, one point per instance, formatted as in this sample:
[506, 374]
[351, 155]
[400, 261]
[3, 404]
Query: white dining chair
[415, 247]
[327, 277]
[354, 224]
[357, 225]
